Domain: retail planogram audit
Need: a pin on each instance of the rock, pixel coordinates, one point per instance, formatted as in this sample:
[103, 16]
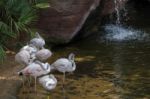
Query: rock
[62, 21]
[66, 17]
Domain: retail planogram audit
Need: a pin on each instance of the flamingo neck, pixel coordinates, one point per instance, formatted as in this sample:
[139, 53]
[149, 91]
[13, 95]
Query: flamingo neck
[73, 65]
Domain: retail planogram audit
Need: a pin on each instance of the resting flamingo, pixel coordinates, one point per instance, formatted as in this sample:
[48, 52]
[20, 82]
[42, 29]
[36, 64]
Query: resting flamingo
[49, 82]
[38, 41]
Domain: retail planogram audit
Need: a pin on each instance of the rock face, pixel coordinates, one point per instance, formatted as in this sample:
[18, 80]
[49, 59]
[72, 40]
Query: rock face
[62, 21]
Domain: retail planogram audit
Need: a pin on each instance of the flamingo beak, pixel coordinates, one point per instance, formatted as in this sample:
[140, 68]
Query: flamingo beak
[20, 73]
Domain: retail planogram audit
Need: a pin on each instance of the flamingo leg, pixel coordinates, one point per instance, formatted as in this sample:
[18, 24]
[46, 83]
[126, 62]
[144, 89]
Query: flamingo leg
[64, 76]
[22, 78]
[64, 92]
[48, 97]
[29, 83]
[35, 84]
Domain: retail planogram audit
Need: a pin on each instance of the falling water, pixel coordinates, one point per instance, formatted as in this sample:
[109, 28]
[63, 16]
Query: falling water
[116, 2]
[118, 9]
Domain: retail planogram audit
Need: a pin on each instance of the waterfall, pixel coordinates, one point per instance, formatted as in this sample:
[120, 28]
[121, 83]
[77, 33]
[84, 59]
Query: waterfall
[118, 9]
[116, 3]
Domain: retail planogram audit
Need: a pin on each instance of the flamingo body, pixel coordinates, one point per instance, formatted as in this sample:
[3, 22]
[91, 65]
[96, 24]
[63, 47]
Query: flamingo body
[38, 41]
[43, 54]
[23, 57]
[49, 82]
[63, 65]
[35, 69]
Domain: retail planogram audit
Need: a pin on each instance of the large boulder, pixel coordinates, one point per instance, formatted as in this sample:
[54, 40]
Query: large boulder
[62, 21]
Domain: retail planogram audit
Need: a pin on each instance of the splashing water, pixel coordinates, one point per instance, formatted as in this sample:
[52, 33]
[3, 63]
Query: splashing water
[119, 33]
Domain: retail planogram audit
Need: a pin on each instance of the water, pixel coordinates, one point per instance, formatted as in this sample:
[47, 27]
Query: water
[111, 64]
[114, 70]
[119, 33]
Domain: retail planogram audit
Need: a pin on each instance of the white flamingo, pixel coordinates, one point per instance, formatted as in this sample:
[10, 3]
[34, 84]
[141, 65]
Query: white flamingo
[43, 54]
[65, 65]
[35, 70]
[38, 41]
[49, 82]
[32, 51]
[23, 57]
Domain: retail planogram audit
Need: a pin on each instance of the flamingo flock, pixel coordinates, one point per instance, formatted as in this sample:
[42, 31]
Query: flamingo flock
[33, 57]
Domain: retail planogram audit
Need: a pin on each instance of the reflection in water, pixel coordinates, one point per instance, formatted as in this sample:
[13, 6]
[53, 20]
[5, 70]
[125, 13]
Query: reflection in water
[117, 60]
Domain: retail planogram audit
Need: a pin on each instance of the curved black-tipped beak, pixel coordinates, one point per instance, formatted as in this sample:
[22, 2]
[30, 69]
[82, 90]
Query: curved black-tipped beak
[20, 73]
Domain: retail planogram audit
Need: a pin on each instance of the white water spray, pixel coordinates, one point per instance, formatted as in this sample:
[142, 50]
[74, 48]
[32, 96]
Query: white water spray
[120, 33]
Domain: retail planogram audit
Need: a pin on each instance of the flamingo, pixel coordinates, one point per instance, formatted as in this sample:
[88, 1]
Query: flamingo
[23, 57]
[32, 51]
[49, 82]
[38, 41]
[65, 65]
[35, 69]
[43, 54]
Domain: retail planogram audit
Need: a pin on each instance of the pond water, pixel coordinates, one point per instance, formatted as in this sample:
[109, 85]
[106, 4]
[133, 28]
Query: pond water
[105, 70]
[111, 64]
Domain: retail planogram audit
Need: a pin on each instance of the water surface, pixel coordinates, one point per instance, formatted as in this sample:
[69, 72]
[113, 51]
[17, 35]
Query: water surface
[105, 70]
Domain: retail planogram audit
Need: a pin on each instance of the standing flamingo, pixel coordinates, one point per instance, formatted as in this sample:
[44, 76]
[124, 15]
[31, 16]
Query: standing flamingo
[35, 70]
[65, 65]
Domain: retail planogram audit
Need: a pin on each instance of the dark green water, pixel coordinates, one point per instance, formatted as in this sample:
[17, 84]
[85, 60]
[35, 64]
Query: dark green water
[105, 70]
